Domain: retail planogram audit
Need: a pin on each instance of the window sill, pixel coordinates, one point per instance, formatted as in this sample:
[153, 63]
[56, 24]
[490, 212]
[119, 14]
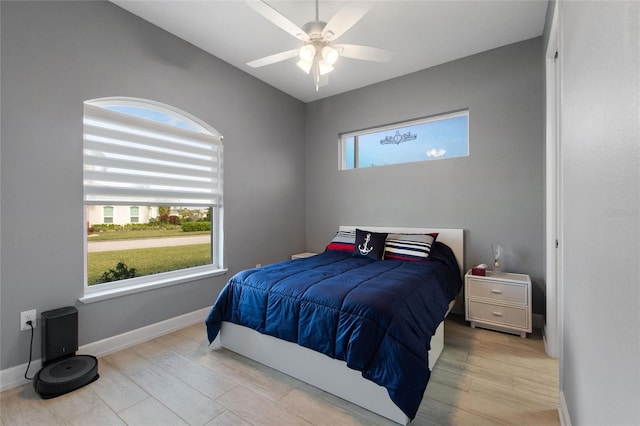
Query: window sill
[149, 283]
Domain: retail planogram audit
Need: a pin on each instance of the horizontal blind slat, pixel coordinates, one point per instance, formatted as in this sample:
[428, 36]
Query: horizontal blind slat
[95, 164]
[131, 154]
[145, 142]
[101, 195]
[187, 185]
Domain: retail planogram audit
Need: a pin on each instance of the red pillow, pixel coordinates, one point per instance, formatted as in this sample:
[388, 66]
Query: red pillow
[343, 241]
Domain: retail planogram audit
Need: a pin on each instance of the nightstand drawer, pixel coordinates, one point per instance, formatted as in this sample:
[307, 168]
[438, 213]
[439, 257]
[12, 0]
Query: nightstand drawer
[507, 315]
[497, 291]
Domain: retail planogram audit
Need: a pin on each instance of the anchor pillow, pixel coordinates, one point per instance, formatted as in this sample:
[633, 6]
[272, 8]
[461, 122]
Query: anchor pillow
[370, 244]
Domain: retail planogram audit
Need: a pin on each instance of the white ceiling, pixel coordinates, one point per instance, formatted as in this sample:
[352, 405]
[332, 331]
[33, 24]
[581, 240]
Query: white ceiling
[420, 33]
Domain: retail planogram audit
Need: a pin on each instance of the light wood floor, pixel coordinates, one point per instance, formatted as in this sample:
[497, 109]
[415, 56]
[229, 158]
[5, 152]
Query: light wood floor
[482, 378]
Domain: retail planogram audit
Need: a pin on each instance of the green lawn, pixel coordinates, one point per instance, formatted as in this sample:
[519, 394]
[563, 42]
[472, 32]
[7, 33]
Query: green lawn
[149, 261]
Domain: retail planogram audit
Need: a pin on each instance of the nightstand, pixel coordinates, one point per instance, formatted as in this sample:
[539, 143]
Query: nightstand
[302, 255]
[499, 302]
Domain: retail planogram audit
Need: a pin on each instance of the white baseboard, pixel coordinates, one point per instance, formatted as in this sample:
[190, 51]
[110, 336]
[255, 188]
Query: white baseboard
[563, 411]
[14, 376]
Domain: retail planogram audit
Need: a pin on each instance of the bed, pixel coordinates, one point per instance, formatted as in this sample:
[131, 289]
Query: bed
[375, 358]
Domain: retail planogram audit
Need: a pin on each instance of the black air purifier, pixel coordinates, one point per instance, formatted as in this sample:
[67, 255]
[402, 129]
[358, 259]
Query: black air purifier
[62, 370]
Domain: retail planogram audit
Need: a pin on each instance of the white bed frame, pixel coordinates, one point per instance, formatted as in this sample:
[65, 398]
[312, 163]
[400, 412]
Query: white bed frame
[329, 374]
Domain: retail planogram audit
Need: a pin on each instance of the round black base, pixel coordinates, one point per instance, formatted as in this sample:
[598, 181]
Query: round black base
[65, 375]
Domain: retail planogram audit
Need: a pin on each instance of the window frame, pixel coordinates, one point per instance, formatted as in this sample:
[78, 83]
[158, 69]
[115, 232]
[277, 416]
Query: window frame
[131, 216]
[107, 219]
[119, 288]
[343, 137]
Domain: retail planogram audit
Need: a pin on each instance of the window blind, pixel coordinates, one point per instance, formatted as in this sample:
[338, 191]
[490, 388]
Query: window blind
[132, 160]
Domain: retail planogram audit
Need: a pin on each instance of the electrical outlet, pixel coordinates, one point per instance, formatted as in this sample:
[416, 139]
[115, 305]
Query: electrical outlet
[27, 316]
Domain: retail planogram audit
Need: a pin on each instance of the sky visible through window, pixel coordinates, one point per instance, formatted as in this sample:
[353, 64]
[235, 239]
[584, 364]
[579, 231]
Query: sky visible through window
[430, 140]
[152, 114]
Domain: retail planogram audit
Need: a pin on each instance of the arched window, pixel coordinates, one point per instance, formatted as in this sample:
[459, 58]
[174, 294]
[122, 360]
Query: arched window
[160, 168]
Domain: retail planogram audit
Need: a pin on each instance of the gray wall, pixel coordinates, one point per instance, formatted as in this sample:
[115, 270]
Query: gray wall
[496, 193]
[55, 55]
[600, 361]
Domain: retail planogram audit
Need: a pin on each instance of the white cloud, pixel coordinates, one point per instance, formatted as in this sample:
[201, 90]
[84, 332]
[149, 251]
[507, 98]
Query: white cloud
[436, 152]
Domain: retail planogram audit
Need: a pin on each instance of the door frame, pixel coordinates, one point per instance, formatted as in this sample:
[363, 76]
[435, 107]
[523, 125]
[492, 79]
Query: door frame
[553, 180]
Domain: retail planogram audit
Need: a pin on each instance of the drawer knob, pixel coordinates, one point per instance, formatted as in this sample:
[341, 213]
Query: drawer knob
[494, 291]
[497, 314]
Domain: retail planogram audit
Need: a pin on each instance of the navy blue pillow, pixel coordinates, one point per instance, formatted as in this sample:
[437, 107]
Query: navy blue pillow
[370, 244]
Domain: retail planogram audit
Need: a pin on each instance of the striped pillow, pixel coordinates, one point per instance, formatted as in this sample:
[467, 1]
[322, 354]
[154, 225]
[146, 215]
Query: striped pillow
[343, 241]
[411, 247]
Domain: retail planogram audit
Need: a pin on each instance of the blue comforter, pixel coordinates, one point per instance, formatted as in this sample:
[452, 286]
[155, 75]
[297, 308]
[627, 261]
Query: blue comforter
[377, 316]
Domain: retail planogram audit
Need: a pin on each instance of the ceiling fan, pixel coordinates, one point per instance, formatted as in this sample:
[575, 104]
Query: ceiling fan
[318, 54]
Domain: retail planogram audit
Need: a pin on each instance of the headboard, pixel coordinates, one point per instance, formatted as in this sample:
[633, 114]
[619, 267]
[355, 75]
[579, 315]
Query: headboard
[452, 237]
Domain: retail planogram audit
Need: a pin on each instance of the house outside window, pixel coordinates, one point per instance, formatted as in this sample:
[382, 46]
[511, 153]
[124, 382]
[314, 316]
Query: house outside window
[432, 138]
[155, 172]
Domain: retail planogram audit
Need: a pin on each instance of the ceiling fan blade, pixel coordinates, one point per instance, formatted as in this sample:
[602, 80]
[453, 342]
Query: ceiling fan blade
[345, 18]
[272, 59]
[278, 19]
[364, 53]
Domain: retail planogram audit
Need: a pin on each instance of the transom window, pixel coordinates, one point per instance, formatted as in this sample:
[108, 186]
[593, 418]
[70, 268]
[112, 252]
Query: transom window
[155, 174]
[433, 138]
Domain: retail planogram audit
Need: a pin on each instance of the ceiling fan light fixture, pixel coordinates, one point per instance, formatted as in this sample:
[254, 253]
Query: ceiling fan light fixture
[330, 55]
[307, 53]
[324, 67]
[305, 65]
